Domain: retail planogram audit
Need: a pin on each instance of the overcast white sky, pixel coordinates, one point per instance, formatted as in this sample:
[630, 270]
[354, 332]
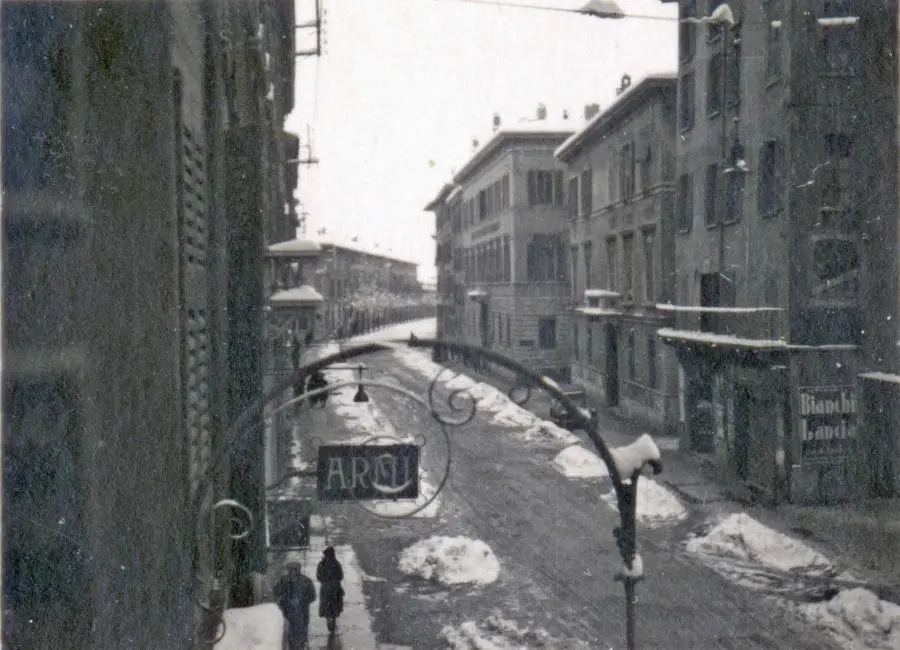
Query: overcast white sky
[403, 86]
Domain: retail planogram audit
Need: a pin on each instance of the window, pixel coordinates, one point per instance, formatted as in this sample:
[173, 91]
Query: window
[774, 33]
[626, 170]
[611, 264]
[733, 81]
[588, 255]
[575, 342]
[686, 101]
[589, 344]
[504, 192]
[547, 333]
[649, 265]
[573, 258]
[652, 371]
[545, 187]
[771, 183]
[628, 263]
[687, 32]
[714, 88]
[587, 193]
[712, 183]
[734, 196]
[646, 168]
[507, 271]
[545, 259]
[840, 44]
[837, 182]
[685, 205]
[631, 360]
[572, 197]
[613, 179]
[508, 332]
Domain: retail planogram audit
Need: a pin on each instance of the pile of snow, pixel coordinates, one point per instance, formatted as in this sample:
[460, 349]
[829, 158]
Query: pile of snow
[451, 561]
[739, 538]
[547, 432]
[859, 619]
[657, 506]
[577, 462]
[260, 627]
[750, 553]
[496, 633]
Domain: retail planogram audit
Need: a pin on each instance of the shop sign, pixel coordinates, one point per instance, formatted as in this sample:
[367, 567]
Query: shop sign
[828, 422]
[367, 472]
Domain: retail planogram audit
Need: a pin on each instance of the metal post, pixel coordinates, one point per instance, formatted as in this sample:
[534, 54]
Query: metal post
[626, 540]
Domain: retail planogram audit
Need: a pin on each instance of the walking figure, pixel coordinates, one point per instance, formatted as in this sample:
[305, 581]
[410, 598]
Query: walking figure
[330, 573]
[294, 593]
[316, 382]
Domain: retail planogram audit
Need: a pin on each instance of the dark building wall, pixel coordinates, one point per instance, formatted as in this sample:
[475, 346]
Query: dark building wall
[93, 311]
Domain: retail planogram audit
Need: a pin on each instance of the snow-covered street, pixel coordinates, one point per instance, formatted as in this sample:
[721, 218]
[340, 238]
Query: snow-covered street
[517, 551]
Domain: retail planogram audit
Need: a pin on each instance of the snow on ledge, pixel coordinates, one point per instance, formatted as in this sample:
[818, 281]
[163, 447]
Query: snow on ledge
[880, 376]
[601, 293]
[694, 309]
[598, 311]
[838, 21]
[632, 457]
[693, 336]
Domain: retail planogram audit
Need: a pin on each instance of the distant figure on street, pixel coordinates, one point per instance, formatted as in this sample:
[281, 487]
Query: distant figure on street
[294, 593]
[330, 573]
[412, 337]
[316, 382]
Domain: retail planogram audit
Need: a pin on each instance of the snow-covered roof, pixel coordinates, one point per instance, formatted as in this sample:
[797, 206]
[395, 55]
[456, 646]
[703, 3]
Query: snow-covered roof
[597, 311]
[302, 296]
[360, 251]
[440, 199]
[603, 121]
[294, 248]
[601, 293]
[715, 310]
[554, 132]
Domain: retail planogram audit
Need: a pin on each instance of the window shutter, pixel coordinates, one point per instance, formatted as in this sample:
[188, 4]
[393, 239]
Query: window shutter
[532, 188]
[558, 187]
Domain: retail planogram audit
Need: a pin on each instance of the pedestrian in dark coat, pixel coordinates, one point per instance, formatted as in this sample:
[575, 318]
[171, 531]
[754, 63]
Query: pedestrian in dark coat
[330, 573]
[294, 593]
[316, 382]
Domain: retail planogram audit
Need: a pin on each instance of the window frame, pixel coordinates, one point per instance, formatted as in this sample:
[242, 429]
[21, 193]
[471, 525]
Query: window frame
[547, 324]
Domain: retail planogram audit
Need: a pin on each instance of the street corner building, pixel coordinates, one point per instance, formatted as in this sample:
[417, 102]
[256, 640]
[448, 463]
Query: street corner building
[502, 240]
[620, 185]
[144, 176]
[786, 259]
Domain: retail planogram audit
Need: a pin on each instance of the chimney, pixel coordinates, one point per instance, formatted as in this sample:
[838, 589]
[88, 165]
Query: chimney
[541, 112]
[496, 121]
[474, 144]
[565, 115]
[626, 83]
[590, 110]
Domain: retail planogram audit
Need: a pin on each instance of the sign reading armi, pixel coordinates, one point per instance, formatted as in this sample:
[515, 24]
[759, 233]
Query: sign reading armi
[367, 472]
[827, 421]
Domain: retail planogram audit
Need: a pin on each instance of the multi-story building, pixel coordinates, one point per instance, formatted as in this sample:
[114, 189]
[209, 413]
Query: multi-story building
[620, 187]
[444, 260]
[128, 247]
[786, 258]
[351, 279]
[509, 240]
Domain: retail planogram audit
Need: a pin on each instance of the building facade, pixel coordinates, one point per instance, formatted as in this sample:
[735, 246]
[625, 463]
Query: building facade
[508, 234]
[620, 188]
[784, 303]
[130, 276]
[353, 281]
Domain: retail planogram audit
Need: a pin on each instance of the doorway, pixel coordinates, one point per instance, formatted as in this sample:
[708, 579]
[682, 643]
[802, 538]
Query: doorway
[612, 366]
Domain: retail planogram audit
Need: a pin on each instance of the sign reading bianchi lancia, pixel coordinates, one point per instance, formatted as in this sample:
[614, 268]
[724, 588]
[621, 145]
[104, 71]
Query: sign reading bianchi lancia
[367, 472]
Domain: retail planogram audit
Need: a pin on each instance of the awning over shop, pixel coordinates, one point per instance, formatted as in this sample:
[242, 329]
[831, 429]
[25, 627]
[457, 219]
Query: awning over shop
[718, 348]
[302, 296]
[294, 249]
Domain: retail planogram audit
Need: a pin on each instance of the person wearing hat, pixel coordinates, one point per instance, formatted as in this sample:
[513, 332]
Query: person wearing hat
[294, 593]
[330, 573]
